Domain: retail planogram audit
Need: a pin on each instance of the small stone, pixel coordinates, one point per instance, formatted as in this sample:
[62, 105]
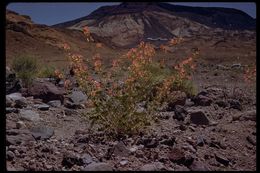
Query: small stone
[10, 155]
[22, 150]
[20, 125]
[42, 107]
[42, 132]
[214, 144]
[221, 159]
[223, 145]
[198, 166]
[97, 167]
[181, 168]
[156, 166]
[9, 167]
[87, 159]
[70, 112]
[198, 117]
[202, 100]
[120, 150]
[248, 146]
[11, 110]
[169, 142]
[16, 152]
[188, 160]
[8, 102]
[133, 149]
[182, 127]
[18, 136]
[188, 103]
[123, 162]
[192, 128]
[235, 104]
[189, 147]
[221, 103]
[29, 115]
[54, 103]
[77, 97]
[18, 100]
[12, 148]
[70, 159]
[139, 154]
[21, 103]
[213, 123]
[61, 83]
[152, 144]
[249, 115]
[179, 113]
[48, 166]
[200, 141]
[177, 156]
[82, 132]
[46, 149]
[251, 140]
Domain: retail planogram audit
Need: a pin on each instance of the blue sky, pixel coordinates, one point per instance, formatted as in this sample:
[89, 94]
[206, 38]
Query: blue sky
[53, 13]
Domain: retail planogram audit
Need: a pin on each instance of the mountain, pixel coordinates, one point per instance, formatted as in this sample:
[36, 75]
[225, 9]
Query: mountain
[24, 37]
[124, 28]
[128, 23]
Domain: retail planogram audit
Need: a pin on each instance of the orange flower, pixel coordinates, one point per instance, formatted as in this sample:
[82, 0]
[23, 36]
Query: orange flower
[98, 45]
[66, 46]
[114, 63]
[97, 85]
[86, 30]
[110, 92]
[250, 74]
[67, 83]
[58, 74]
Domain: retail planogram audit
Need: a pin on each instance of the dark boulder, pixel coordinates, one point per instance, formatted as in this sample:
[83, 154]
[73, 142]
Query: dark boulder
[46, 91]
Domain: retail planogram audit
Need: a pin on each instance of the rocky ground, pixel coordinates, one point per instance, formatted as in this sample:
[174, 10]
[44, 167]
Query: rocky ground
[215, 130]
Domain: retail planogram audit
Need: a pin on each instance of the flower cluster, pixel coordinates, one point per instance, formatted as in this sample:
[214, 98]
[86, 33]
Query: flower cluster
[183, 65]
[86, 32]
[140, 57]
[164, 48]
[250, 74]
[58, 74]
[99, 45]
[175, 41]
[97, 62]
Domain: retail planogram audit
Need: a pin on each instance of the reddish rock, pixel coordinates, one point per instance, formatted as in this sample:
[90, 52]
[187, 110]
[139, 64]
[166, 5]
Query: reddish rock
[46, 91]
[177, 156]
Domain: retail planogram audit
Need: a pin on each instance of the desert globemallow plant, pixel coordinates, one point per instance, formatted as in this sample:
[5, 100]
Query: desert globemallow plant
[116, 93]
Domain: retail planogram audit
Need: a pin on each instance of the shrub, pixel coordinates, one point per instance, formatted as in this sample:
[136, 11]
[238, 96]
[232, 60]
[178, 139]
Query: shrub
[115, 94]
[26, 68]
[136, 78]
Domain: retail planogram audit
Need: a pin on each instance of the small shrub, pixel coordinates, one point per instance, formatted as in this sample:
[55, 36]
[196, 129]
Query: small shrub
[26, 68]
